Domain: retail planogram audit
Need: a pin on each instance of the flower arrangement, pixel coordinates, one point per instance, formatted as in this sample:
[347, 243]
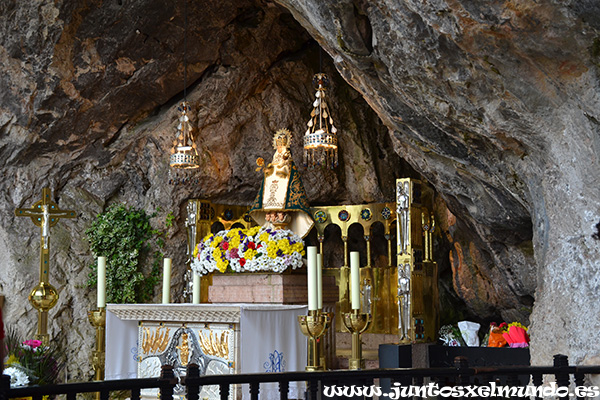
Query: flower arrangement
[495, 337]
[450, 336]
[511, 335]
[31, 363]
[516, 335]
[248, 250]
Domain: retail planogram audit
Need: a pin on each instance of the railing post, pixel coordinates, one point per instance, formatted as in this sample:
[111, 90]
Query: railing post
[254, 390]
[284, 387]
[193, 388]
[313, 389]
[562, 375]
[579, 380]
[224, 390]
[4, 386]
[512, 380]
[166, 387]
[462, 364]
[538, 380]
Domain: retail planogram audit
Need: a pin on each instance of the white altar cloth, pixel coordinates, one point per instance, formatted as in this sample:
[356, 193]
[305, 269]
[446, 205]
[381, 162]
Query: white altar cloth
[271, 341]
[270, 337]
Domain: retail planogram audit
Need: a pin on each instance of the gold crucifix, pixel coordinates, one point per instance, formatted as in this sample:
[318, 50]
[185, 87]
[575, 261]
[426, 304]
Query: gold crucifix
[45, 214]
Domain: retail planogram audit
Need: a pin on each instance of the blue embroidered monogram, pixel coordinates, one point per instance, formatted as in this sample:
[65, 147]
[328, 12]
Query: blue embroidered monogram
[276, 363]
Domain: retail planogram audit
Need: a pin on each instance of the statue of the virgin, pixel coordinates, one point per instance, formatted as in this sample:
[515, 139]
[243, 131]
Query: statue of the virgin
[281, 200]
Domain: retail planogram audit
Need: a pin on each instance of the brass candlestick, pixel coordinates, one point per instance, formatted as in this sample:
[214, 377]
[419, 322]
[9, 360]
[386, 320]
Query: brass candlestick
[356, 322]
[321, 341]
[314, 325]
[98, 319]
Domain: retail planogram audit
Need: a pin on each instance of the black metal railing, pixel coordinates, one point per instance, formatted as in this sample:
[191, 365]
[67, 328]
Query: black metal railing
[319, 384]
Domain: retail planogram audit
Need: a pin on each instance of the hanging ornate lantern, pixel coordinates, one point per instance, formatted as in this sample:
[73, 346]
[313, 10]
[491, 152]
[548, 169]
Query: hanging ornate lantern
[184, 154]
[320, 140]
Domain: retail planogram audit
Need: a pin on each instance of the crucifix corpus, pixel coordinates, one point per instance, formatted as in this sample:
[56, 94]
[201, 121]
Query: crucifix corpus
[45, 214]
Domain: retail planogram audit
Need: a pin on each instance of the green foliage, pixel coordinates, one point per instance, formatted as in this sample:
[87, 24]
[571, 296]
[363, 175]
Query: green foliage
[170, 220]
[133, 253]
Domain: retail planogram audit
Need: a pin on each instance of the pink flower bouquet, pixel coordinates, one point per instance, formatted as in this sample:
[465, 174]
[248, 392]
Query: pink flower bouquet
[516, 336]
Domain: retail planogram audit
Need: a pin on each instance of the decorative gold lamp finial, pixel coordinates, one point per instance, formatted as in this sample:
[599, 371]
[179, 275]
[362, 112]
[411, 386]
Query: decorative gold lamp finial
[184, 154]
[320, 139]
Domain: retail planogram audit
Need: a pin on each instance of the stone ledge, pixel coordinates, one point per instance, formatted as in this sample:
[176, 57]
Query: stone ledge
[266, 288]
[176, 312]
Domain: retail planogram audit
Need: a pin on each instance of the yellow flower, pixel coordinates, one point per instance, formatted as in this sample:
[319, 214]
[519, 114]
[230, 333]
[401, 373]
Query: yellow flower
[222, 264]
[272, 249]
[264, 237]
[234, 242]
[217, 254]
[216, 241]
[298, 248]
[520, 325]
[253, 231]
[231, 232]
[249, 254]
[12, 360]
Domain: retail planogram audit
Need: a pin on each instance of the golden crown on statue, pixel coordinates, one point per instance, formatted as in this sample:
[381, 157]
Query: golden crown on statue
[282, 137]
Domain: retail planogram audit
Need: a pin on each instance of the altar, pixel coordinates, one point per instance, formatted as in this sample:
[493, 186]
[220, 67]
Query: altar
[220, 338]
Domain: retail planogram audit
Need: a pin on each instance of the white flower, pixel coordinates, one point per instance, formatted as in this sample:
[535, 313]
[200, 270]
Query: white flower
[205, 263]
[17, 377]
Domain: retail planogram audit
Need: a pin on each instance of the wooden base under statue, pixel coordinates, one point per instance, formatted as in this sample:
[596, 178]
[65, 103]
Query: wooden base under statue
[266, 289]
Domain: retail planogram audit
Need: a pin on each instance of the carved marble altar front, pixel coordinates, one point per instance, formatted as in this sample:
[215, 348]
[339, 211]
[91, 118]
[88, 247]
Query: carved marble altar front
[219, 338]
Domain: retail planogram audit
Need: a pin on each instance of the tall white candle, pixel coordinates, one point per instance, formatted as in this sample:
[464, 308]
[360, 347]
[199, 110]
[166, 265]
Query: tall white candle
[355, 280]
[166, 292]
[101, 282]
[320, 281]
[311, 258]
[196, 289]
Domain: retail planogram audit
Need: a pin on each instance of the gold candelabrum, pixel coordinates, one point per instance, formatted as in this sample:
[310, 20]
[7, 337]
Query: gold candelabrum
[356, 322]
[98, 320]
[314, 325]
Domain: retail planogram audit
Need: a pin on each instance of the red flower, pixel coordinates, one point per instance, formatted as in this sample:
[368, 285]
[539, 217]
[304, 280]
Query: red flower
[242, 261]
[251, 245]
[33, 343]
[224, 245]
[259, 246]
